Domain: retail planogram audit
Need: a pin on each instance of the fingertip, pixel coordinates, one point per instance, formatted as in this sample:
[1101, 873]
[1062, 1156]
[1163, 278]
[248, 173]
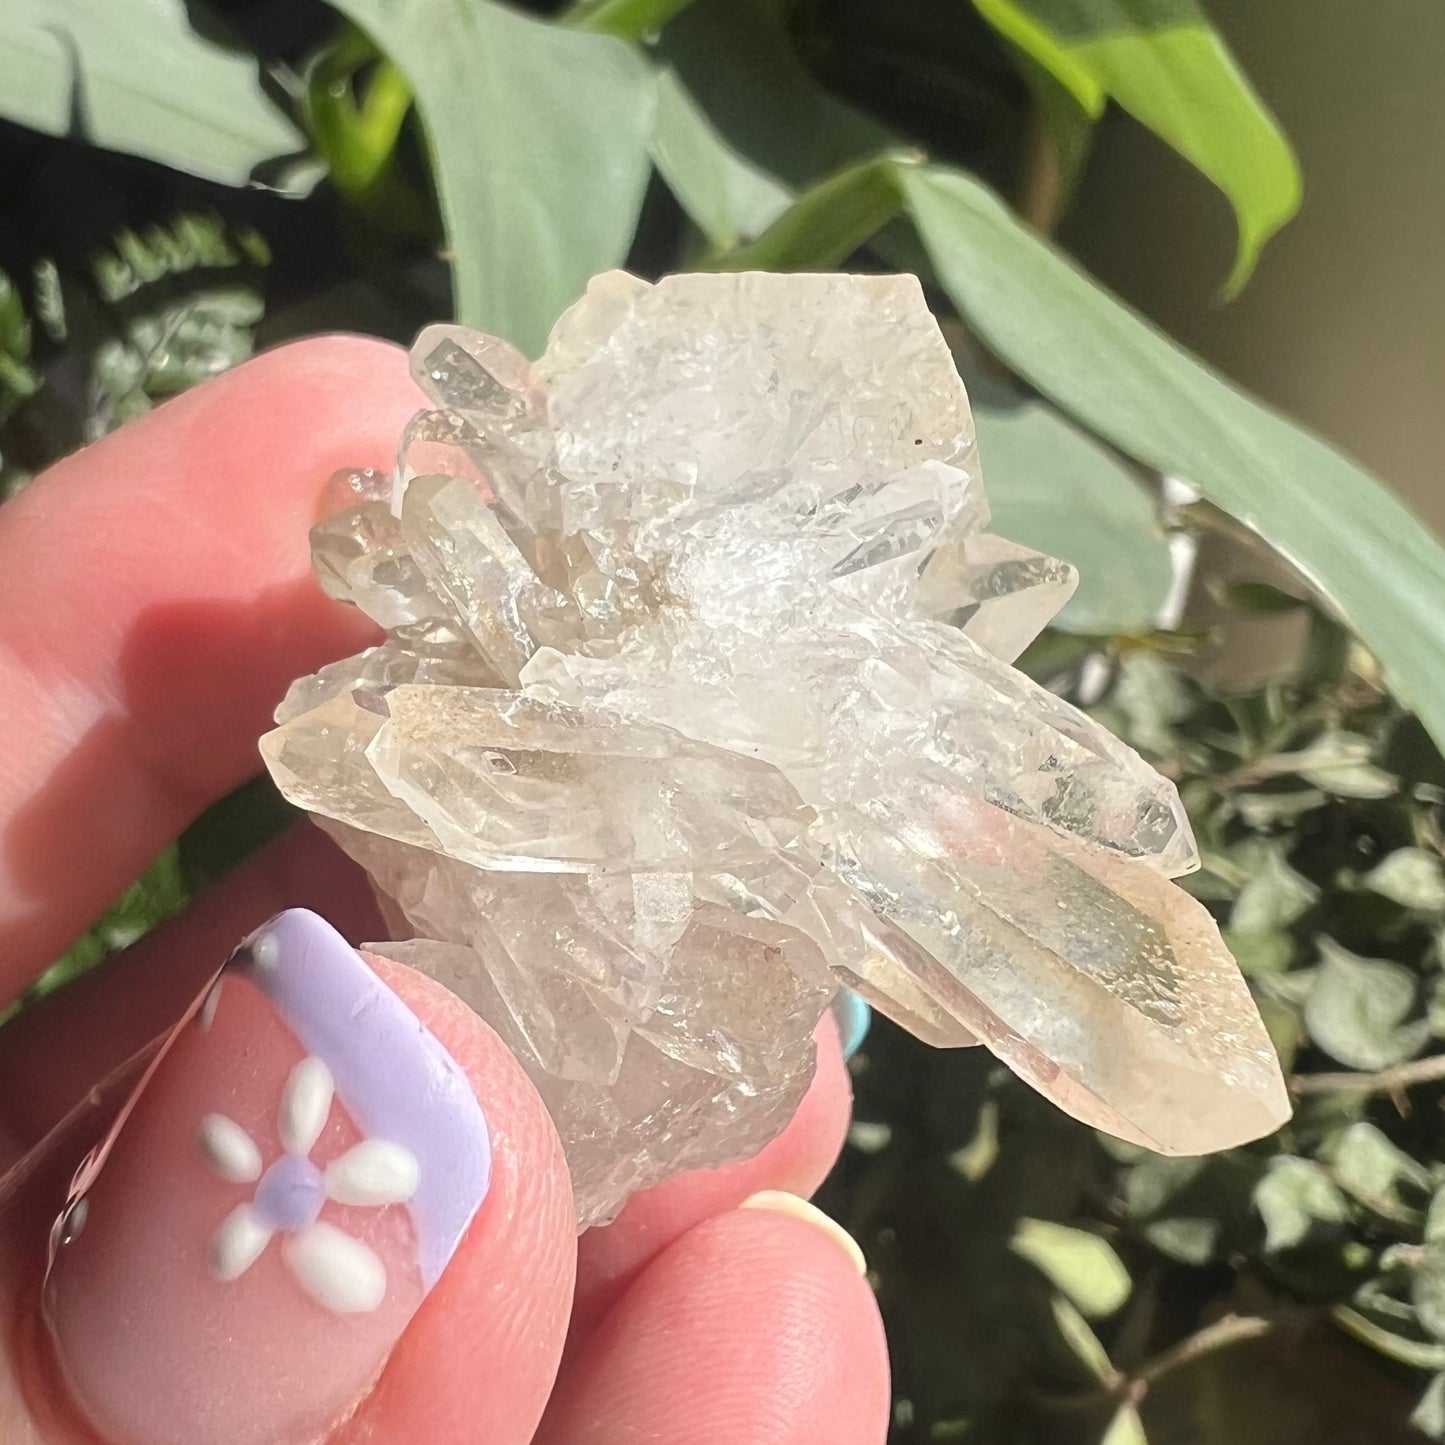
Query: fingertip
[335, 1184]
[806, 1212]
[755, 1325]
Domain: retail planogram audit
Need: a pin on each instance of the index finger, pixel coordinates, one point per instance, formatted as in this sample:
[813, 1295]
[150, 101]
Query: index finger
[158, 598]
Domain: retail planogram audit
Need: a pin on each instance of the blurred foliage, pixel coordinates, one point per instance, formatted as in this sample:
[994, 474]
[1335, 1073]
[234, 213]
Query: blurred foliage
[401, 158]
[1043, 1283]
[1164, 63]
[152, 313]
[530, 150]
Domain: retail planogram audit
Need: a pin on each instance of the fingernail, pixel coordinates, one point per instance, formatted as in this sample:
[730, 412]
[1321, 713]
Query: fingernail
[853, 1017]
[785, 1203]
[290, 1180]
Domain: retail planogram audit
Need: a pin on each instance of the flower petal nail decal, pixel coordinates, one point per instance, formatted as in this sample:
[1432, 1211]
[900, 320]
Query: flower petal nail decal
[338, 1272]
[288, 1184]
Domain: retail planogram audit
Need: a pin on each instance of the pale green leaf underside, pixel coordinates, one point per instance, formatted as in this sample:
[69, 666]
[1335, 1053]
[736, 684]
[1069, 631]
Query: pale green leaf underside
[1084, 1266]
[540, 138]
[729, 199]
[1164, 63]
[1053, 487]
[133, 76]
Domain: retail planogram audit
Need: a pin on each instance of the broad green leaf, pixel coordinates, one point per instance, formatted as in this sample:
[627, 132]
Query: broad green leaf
[136, 76]
[1411, 877]
[1357, 1009]
[1053, 487]
[1164, 63]
[1130, 384]
[728, 198]
[736, 58]
[1293, 1196]
[1083, 1266]
[539, 137]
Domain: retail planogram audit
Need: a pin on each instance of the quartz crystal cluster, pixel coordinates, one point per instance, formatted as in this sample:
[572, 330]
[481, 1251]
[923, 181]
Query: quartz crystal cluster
[696, 704]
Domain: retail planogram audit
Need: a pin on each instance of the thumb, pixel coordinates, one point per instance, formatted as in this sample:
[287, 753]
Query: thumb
[334, 1194]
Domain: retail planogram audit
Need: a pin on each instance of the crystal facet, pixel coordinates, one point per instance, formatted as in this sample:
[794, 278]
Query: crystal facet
[696, 704]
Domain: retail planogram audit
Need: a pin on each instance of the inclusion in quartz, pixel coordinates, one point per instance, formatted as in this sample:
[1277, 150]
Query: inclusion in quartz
[696, 704]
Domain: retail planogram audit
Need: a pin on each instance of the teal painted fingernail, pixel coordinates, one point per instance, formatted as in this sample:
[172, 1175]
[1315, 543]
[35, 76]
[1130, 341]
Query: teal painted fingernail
[853, 1017]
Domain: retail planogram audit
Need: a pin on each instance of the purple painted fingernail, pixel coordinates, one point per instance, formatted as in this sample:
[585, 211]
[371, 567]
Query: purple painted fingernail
[285, 1189]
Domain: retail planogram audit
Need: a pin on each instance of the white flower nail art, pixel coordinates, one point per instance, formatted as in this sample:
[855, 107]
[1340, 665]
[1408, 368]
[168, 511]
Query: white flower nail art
[340, 1273]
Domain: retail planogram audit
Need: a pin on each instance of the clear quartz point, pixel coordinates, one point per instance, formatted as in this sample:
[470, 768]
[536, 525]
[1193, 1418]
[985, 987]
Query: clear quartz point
[696, 704]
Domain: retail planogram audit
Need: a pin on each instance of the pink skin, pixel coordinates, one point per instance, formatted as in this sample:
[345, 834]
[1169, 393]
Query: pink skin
[138, 677]
[254, 1361]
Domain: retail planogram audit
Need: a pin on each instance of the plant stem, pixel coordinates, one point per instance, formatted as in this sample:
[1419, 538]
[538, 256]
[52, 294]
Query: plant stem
[627, 19]
[1232, 1329]
[1386, 1081]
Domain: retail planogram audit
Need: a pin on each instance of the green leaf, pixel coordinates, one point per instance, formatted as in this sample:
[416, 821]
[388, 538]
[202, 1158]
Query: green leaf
[1369, 1166]
[1339, 762]
[1260, 955]
[135, 76]
[179, 304]
[974, 1159]
[737, 59]
[1293, 1197]
[539, 137]
[827, 223]
[17, 380]
[1053, 487]
[1126, 1428]
[1427, 1288]
[1411, 877]
[1130, 384]
[1150, 696]
[1435, 1216]
[1082, 1265]
[728, 198]
[1156, 1179]
[1273, 897]
[1418, 1353]
[1189, 1239]
[1428, 1417]
[1081, 1339]
[1357, 1007]
[1265, 810]
[1164, 63]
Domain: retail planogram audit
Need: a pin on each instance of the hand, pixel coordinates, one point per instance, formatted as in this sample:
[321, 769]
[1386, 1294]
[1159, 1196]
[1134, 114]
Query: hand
[156, 600]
